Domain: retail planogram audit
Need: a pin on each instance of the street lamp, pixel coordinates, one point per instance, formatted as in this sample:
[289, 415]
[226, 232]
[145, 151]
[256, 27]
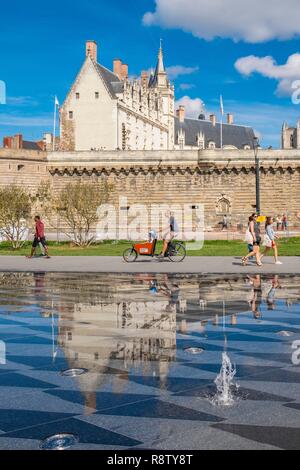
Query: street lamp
[257, 173]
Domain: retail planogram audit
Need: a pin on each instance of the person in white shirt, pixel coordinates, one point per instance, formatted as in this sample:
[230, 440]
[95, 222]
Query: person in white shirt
[270, 240]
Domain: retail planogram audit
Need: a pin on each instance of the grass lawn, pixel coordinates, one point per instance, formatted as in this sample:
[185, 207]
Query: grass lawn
[287, 247]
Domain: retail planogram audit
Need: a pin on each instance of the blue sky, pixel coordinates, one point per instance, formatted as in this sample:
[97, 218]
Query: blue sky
[42, 49]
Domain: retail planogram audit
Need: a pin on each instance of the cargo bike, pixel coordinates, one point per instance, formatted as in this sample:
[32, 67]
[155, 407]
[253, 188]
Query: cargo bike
[176, 251]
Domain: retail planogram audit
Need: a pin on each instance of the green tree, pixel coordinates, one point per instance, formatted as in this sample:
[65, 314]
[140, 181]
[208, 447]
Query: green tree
[15, 212]
[77, 206]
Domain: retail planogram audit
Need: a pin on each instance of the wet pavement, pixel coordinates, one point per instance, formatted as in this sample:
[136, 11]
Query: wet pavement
[137, 383]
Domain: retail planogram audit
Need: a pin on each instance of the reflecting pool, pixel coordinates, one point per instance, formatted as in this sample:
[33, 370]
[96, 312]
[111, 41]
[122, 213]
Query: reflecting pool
[131, 361]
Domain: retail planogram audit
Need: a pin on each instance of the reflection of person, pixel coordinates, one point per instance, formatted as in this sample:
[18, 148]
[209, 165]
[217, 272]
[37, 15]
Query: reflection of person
[271, 294]
[39, 237]
[256, 300]
[169, 233]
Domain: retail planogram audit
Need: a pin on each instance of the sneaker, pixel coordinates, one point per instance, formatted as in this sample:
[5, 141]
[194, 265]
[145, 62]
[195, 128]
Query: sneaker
[278, 262]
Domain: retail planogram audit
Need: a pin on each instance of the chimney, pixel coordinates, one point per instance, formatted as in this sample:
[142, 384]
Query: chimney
[8, 142]
[117, 64]
[18, 141]
[91, 50]
[212, 119]
[124, 71]
[144, 78]
[229, 118]
[180, 113]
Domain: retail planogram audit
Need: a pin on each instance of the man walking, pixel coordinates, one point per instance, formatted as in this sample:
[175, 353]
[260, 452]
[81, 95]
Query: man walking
[39, 237]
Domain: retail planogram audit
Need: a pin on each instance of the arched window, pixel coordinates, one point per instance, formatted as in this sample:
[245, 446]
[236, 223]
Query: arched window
[211, 145]
[223, 206]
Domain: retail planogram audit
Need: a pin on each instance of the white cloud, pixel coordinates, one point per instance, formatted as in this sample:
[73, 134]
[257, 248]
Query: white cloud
[193, 106]
[284, 74]
[176, 71]
[21, 101]
[254, 22]
[186, 86]
[27, 121]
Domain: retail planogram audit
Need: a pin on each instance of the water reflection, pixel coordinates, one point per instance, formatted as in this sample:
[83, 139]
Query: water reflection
[118, 326]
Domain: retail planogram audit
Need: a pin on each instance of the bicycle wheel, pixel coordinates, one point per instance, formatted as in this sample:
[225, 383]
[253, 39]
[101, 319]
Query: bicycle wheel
[130, 255]
[177, 253]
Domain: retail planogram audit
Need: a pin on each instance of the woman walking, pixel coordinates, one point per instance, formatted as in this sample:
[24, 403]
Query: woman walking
[269, 241]
[254, 231]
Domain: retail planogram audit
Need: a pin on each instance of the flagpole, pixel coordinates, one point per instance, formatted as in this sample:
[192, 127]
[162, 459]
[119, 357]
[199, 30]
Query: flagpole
[54, 124]
[222, 114]
[221, 131]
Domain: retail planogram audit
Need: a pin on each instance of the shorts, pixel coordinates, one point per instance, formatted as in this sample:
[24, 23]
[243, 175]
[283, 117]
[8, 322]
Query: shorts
[36, 242]
[169, 236]
[258, 242]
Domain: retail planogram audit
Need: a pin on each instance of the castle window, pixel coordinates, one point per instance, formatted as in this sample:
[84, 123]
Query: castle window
[292, 141]
[211, 145]
[77, 96]
[96, 95]
[20, 167]
[70, 114]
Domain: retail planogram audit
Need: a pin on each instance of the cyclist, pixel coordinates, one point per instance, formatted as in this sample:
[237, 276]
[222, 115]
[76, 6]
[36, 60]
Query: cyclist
[169, 233]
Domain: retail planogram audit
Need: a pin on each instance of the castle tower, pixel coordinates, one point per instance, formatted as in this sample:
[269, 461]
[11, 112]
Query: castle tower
[160, 82]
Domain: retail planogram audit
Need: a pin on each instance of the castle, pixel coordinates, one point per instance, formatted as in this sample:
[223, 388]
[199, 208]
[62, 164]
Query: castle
[105, 110]
[290, 136]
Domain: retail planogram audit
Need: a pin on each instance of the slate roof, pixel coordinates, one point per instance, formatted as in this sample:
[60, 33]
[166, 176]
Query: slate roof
[28, 145]
[112, 81]
[238, 136]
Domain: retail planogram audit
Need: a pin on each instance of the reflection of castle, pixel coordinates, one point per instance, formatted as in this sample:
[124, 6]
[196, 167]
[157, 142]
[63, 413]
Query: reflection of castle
[131, 332]
[109, 339]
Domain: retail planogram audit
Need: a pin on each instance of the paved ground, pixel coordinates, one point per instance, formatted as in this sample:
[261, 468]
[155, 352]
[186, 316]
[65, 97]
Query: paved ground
[115, 264]
[142, 389]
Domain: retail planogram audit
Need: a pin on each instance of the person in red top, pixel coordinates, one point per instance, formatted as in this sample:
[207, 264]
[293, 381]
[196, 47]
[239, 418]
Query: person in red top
[39, 237]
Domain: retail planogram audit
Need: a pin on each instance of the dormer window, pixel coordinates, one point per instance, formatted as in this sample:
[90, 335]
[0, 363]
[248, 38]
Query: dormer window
[212, 145]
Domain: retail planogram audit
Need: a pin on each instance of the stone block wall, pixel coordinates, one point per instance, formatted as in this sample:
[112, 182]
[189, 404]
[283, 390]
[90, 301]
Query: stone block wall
[224, 181]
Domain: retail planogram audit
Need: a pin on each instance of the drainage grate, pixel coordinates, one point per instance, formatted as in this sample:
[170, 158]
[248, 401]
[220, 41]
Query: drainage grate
[59, 442]
[193, 350]
[73, 372]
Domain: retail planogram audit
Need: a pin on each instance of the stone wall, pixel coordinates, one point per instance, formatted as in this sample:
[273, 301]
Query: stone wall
[26, 168]
[224, 181]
